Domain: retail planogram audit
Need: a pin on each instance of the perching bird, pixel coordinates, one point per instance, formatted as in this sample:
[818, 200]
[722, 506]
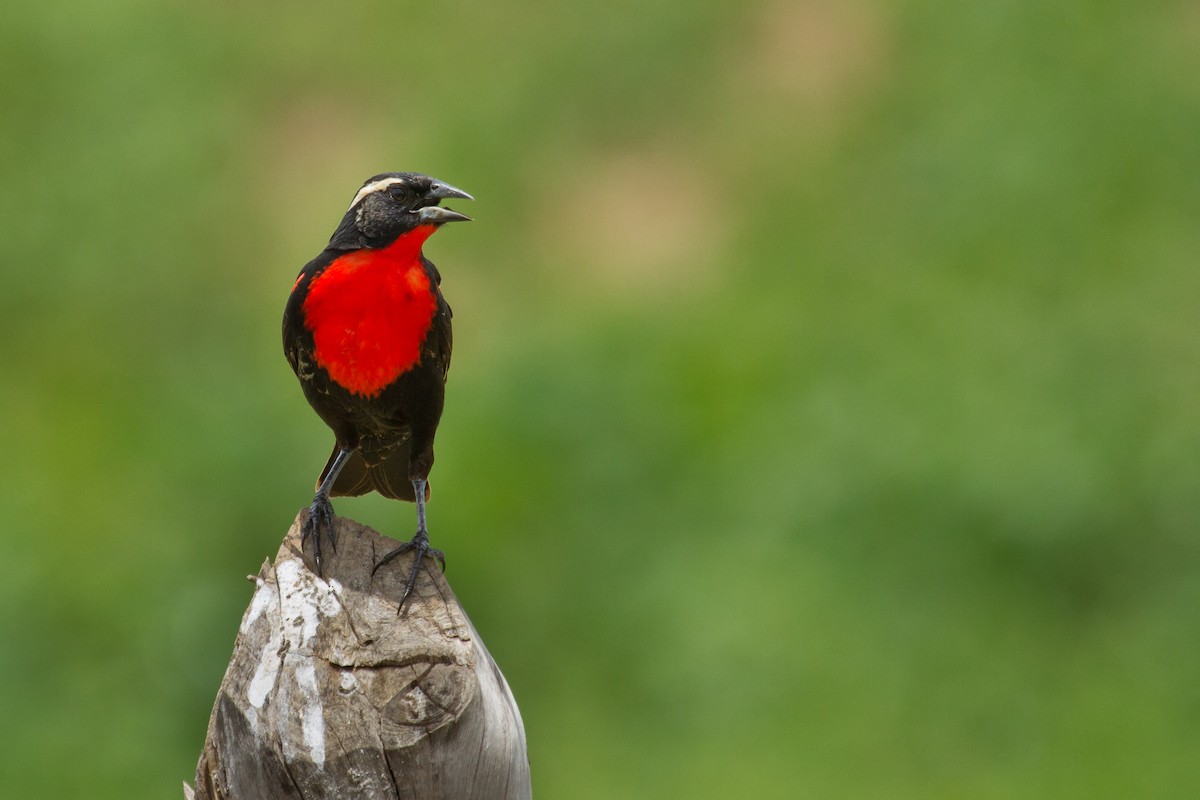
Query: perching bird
[367, 331]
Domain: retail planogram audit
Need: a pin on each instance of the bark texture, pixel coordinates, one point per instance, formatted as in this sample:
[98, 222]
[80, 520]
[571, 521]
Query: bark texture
[332, 694]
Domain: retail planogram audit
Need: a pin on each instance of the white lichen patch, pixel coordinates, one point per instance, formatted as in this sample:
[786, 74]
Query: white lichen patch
[258, 604]
[266, 673]
[347, 682]
[312, 725]
[266, 670]
[304, 599]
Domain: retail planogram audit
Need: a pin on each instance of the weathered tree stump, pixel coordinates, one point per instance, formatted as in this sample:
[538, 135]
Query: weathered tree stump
[331, 693]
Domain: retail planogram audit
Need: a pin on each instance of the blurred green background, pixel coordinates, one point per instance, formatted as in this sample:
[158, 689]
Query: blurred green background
[824, 415]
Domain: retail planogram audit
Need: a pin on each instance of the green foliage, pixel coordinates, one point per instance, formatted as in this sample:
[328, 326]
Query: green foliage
[823, 419]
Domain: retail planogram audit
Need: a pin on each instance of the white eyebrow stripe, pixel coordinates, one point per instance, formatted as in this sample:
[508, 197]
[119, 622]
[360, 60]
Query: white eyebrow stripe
[372, 187]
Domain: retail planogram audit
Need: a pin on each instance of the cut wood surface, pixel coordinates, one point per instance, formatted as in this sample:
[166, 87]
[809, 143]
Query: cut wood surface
[331, 693]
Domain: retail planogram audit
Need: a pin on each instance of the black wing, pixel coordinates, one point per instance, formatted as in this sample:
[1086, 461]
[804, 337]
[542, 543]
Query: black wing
[439, 343]
[297, 339]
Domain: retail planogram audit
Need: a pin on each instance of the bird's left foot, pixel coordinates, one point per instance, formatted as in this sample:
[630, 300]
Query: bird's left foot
[419, 543]
[320, 515]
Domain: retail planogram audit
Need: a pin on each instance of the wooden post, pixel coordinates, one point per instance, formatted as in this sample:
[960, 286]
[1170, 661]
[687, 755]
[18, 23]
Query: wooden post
[332, 694]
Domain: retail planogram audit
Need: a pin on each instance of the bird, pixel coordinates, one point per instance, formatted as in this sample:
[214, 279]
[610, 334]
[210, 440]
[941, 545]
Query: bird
[367, 332]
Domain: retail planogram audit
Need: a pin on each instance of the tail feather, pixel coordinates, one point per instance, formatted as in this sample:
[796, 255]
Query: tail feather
[388, 476]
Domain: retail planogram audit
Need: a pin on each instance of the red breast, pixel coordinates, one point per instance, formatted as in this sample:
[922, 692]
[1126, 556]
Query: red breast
[369, 312]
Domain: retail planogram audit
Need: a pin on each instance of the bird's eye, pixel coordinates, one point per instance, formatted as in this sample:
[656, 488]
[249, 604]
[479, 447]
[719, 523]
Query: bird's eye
[400, 194]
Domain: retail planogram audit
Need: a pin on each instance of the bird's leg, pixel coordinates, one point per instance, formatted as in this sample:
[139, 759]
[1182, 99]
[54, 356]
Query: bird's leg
[419, 543]
[320, 513]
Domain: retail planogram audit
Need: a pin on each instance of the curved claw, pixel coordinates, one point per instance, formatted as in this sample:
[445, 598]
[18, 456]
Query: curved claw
[320, 514]
[420, 543]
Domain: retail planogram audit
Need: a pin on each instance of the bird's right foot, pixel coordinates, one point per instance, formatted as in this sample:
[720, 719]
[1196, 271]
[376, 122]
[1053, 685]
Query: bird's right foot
[419, 544]
[320, 515]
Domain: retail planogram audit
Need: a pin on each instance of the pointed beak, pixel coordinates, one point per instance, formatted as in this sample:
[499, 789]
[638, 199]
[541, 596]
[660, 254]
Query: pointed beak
[435, 215]
[444, 191]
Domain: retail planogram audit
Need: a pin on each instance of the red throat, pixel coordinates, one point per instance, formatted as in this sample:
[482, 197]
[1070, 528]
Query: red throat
[369, 312]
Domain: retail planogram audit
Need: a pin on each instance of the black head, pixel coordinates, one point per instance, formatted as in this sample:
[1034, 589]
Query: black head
[392, 204]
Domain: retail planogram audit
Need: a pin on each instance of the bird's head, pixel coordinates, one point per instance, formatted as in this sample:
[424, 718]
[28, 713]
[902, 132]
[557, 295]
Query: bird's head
[393, 204]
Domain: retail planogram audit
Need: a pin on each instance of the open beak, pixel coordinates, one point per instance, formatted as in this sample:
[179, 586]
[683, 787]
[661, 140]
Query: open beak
[443, 191]
[435, 215]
